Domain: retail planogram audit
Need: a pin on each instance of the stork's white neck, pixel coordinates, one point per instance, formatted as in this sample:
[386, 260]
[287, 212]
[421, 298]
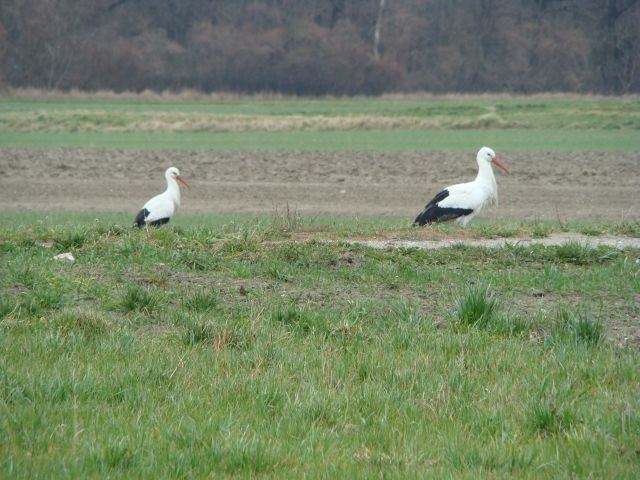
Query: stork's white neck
[173, 190]
[487, 180]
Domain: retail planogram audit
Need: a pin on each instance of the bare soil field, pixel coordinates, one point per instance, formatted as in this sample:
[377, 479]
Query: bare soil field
[542, 186]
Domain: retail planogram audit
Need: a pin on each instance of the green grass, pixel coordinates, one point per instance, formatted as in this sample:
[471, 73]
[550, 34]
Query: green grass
[69, 228]
[396, 140]
[215, 351]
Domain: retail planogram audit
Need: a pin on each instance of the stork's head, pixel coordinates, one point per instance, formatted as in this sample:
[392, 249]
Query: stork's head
[174, 174]
[488, 155]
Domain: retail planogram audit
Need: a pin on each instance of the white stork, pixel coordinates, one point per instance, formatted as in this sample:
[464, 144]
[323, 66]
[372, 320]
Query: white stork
[160, 208]
[464, 200]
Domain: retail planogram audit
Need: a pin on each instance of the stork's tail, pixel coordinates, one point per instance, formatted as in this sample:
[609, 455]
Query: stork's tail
[424, 218]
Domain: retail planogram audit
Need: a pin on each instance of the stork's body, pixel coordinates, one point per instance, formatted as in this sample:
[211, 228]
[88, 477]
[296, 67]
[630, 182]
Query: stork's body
[160, 209]
[463, 201]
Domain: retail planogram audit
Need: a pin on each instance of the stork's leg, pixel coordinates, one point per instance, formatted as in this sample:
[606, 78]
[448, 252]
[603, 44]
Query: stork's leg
[465, 219]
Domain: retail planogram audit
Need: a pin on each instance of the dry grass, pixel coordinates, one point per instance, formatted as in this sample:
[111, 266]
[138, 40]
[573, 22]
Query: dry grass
[195, 95]
[82, 121]
[427, 96]
[102, 121]
[41, 111]
[143, 96]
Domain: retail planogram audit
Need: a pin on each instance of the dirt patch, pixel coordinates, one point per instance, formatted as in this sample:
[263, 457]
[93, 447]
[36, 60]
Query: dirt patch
[620, 319]
[544, 186]
[551, 240]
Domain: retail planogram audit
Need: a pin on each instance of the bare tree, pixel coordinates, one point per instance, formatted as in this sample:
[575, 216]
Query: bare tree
[615, 35]
[617, 53]
[378, 30]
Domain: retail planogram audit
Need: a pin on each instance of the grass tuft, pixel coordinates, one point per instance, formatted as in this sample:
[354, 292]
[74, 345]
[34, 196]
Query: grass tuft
[289, 314]
[299, 319]
[631, 229]
[202, 300]
[552, 411]
[138, 299]
[592, 231]
[7, 306]
[490, 230]
[197, 331]
[578, 327]
[476, 308]
[541, 230]
[581, 253]
[201, 331]
[512, 325]
[287, 220]
[547, 418]
[42, 299]
[77, 322]
[70, 240]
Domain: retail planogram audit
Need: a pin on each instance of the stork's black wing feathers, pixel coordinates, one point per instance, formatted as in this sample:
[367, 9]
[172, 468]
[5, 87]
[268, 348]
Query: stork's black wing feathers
[140, 217]
[439, 214]
[433, 213]
[160, 222]
[438, 198]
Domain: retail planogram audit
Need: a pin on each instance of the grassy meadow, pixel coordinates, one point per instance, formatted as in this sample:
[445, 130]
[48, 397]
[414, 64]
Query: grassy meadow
[256, 347]
[229, 350]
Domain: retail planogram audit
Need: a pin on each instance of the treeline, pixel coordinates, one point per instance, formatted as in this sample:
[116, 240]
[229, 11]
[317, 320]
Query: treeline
[316, 47]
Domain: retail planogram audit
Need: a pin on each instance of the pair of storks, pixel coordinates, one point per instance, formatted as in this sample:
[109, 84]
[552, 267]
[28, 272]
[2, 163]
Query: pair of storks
[459, 202]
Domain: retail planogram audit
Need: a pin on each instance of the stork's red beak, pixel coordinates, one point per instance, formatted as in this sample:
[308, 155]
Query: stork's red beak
[500, 165]
[182, 180]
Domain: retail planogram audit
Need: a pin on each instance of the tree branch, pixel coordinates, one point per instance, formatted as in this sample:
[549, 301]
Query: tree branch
[115, 5]
[378, 28]
[621, 11]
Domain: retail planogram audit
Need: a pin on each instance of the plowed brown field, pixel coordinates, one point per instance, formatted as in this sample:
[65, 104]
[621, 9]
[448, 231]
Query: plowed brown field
[544, 186]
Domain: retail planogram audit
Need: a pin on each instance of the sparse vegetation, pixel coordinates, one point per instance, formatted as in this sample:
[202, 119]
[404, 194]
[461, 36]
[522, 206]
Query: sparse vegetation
[287, 220]
[582, 253]
[540, 230]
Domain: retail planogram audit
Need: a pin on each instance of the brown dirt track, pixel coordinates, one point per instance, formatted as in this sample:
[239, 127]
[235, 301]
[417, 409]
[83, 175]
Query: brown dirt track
[545, 186]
